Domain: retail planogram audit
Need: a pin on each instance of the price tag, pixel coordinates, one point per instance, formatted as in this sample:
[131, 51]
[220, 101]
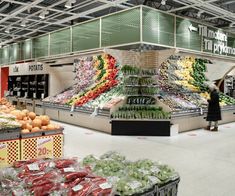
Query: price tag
[69, 169]
[52, 165]
[153, 179]
[18, 94]
[3, 154]
[42, 95]
[34, 95]
[45, 147]
[105, 185]
[26, 94]
[77, 188]
[134, 184]
[95, 113]
[155, 169]
[72, 108]
[33, 167]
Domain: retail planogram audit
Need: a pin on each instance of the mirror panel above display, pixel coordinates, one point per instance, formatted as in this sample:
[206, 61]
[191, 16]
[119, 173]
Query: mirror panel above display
[158, 27]
[40, 46]
[15, 52]
[5, 55]
[121, 28]
[60, 42]
[186, 38]
[86, 35]
[27, 49]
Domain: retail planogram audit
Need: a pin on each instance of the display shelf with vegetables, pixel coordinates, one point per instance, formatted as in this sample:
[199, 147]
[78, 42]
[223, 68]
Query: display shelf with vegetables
[140, 105]
[111, 174]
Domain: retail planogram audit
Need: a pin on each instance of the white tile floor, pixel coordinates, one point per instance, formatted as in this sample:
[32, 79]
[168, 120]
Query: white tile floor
[205, 160]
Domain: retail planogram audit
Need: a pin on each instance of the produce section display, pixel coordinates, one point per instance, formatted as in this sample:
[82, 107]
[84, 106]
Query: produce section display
[184, 86]
[96, 84]
[140, 89]
[26, 120]
[111, 174]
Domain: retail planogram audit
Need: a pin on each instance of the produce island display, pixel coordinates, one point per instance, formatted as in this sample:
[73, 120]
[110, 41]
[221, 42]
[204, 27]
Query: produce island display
[23, 135]
[111, 174]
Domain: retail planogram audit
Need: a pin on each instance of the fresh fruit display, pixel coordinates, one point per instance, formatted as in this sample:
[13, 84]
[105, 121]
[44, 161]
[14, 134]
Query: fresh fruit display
[26, 120]
[63, 97]
[140, 112]
[111, 174]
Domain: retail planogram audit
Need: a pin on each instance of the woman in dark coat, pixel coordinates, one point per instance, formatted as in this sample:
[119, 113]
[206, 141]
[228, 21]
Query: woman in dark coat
[214, 113]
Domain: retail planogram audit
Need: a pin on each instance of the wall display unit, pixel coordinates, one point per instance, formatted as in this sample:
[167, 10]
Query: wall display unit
[29, 86]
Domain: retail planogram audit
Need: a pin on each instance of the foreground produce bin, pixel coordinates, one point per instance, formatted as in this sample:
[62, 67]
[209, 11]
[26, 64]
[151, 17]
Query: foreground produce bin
[48, 144]
[9, 152]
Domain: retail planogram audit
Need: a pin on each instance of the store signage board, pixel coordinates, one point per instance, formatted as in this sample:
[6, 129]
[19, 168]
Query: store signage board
[215, 41]
[3, 154]
[28, 69]
[45, 147]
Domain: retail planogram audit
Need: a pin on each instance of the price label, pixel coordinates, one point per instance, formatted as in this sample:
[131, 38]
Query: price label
[155, 170]
[105, 185]
[42, 95]
[77, 188]
[72, 108]
[33, 167]
[3, 155]
[45, 147]
[18, 94]
[34, 95]
[134, 184]
[69, 169]
[26, 94]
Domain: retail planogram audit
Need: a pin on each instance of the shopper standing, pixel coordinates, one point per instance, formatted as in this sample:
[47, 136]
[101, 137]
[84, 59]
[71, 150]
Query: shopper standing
[214, 112]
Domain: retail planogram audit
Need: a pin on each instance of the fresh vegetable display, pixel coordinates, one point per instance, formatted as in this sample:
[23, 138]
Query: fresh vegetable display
[111, 174]
[140, 112]
[182, 83]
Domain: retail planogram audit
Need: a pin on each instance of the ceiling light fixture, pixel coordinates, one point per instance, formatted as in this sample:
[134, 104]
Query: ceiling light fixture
[43, 14]
[231, 24]
[199, 13]
[7, 30]
[70, 3]
[23, 23]
[163, 2]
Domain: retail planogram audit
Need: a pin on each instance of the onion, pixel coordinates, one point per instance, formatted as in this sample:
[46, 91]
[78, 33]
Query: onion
[45, 120]
[25, 131]
[37, 123]
[32, 115]
[36, 129]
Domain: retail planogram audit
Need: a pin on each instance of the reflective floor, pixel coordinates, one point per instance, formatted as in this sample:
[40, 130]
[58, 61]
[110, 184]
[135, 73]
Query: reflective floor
[205, 160]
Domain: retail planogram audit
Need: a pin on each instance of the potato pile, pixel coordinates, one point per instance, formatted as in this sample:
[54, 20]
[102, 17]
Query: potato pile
[30, 122]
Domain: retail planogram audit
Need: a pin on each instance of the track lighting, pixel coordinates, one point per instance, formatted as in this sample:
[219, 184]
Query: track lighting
[163, 2]
[43, 14]
[69, 3]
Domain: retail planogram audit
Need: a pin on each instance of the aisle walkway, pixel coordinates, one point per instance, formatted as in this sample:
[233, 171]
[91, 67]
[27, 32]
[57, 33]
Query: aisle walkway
[205, 160]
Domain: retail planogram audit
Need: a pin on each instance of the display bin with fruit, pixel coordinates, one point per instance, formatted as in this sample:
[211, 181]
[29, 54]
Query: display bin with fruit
[9, 152]
[47, 146]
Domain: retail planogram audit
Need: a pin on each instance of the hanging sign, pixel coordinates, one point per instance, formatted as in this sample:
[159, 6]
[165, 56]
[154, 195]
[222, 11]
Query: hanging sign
[45, 147]
[28, 69]
[214, 40]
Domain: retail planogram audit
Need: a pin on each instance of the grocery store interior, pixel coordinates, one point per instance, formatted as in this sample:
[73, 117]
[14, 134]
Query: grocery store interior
[117, 97]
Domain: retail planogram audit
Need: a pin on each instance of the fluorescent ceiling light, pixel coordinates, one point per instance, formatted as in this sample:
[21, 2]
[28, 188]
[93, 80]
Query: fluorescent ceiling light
[43, 14]
[163, 2]
[69, 3]
[199, 14]
[23, 23]
[7, 30]
[231, 24]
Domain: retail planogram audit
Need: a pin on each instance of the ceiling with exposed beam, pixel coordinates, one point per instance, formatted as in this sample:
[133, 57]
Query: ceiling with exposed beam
[23, 19]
